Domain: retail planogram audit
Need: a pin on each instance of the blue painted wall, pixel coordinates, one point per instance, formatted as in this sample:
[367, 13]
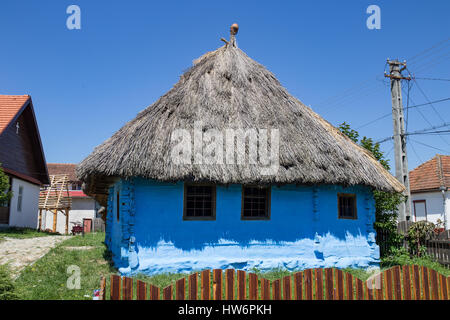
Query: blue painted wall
[303, 232]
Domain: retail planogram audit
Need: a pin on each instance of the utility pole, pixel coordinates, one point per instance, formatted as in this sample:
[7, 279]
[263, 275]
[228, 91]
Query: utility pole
[401, 159]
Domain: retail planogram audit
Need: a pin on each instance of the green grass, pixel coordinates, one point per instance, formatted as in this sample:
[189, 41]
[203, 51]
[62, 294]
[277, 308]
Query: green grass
[22, 233]
[47, 278]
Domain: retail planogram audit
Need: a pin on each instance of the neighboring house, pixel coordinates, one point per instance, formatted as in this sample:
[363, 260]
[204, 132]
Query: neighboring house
[83, 206]
[429, 185]
[22, 159]
[178, 206]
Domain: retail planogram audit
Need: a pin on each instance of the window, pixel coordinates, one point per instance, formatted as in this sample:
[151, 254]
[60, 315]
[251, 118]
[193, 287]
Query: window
[347, 206]
[76, 186]
[255, 203]
[118, 206]
[420, 210]
[19, 199]
[199, 202]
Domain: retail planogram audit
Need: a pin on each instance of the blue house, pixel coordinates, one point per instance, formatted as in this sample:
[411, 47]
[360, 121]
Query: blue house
[227, 169]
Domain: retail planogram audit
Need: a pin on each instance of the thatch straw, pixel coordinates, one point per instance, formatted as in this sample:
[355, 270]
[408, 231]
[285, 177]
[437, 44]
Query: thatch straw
[226, 89]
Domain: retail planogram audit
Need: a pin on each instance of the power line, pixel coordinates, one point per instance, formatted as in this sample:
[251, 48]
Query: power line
[422, 131]
[415, 152]
[431, 102]
[406, 108]
[426, 98]
[428, 49]
[427, 145]
[437, 79]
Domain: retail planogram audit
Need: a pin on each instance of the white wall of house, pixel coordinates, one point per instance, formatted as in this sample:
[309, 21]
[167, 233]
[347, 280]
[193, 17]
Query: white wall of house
[82, 208]
[24, 204]
[436, 205]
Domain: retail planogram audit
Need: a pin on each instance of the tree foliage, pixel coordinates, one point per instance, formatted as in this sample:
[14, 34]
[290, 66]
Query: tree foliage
[386, 203]
[5, 193]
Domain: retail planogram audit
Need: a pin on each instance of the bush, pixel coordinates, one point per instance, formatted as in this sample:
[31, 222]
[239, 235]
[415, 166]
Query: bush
[418, 233]
[7, 290]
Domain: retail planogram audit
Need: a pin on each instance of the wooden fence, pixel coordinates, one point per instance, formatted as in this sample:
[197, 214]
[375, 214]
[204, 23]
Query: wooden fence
[396, 283]
[438, 247]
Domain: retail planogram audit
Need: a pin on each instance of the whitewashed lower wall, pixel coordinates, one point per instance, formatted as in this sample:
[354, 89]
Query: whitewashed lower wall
[82, 208]
[28, 216]
[436, 204]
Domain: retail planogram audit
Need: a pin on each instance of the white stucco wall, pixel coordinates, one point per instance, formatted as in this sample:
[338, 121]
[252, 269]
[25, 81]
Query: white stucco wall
[28, 215]
[436, 205]
[82, 208]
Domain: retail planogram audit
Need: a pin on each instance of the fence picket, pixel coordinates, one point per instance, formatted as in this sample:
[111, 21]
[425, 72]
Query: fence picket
[329, 283]
[298, 288]
[349, 286]
[205, 285]
[265, 289]
[167, 293]
[397, 283]
[154, 292]
[388, 276]
[217, 284]
[115, 287]
[252, 286]
[406, 283]
[359, 290]
[180, 293]
[379, 286]
[308, 284]
[319, 283]
[193, 287]
[127, 288]
[229, 284]
[368, 292]
[241, 292]
[276, 289]
[434, 285]
[443, 286]
[102, 288]
[416, 283]
[340, 284]
[425, 283]
[287, 288]
[141, 290]
[448, 287]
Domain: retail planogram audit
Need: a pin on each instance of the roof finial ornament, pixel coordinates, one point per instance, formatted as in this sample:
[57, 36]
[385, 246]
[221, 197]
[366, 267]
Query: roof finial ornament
[233, 31]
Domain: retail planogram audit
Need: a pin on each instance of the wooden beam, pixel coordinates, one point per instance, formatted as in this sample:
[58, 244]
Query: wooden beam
[67, 221]
[40, 220]
[55, 217]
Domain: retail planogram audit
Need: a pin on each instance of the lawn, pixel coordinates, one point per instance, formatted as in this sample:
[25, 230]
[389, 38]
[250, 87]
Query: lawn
[22, 233]
[47, 278]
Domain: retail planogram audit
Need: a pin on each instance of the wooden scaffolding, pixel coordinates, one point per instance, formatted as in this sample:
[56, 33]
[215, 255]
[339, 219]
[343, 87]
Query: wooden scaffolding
[54, 198]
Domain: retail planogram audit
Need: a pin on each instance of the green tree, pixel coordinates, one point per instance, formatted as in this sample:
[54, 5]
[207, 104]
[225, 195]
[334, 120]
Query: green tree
[5, 194]
[386, 203]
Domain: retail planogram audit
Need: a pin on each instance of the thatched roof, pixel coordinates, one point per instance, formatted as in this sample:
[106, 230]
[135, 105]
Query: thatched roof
[227, 89]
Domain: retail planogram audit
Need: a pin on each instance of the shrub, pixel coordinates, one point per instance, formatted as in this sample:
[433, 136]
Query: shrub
[7, 290]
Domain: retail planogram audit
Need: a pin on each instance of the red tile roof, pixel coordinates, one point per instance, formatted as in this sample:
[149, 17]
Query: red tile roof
[9, 107]
[77, 194]
[63, 168]
[431, 175]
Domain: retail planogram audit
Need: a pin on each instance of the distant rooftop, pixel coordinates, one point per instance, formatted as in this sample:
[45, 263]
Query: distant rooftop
[431, 175]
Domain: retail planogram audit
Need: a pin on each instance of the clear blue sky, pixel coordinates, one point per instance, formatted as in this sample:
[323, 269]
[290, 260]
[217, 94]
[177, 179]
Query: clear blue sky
[87, 83]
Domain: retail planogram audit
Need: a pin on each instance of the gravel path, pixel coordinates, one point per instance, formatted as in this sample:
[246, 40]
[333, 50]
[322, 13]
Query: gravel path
[19, 253]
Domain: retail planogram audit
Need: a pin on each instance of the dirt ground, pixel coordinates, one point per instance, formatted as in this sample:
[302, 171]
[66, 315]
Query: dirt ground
[18, 253]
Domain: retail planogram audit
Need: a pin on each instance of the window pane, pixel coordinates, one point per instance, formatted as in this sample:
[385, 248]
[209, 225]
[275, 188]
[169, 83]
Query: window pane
[347, 206]
[255, 202]
[199, 201]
